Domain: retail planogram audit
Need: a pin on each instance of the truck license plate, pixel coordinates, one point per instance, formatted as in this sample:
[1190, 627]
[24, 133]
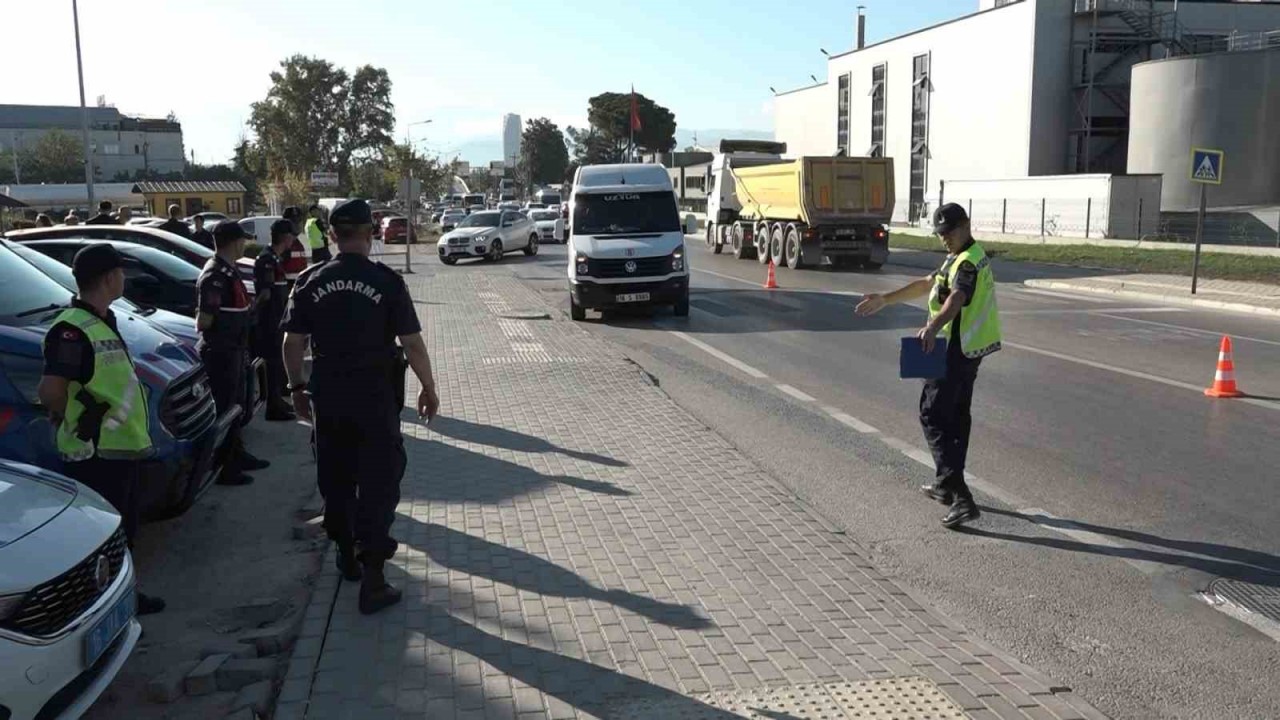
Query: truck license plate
[632, 297]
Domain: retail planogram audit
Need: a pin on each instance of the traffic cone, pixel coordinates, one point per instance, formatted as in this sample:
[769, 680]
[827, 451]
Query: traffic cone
[1224, 380]
[771, 280]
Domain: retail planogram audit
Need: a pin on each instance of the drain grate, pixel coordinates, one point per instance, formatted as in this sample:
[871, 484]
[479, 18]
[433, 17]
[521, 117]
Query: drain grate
[906, 698]
[1254, 597]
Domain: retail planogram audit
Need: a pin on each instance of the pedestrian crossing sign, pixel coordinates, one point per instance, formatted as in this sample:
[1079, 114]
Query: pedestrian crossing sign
[1206, 166]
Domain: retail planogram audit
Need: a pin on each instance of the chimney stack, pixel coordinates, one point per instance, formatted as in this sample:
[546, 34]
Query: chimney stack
[862, 28]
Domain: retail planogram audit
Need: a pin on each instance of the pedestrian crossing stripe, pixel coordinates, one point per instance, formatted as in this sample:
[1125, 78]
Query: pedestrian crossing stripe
[1206, 166]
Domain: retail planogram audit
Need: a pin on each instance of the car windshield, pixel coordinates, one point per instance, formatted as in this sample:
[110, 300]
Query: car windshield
[172, 266]
[544, 215]
[551, 199]
[60, 273]
[482, 219]
[26, 288]
[625, 212]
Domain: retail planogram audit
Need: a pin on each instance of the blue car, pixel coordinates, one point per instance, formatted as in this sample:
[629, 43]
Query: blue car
[186, 428]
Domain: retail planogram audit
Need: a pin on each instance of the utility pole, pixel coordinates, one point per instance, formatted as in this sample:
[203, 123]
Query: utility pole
[84, 111]
[13, 142]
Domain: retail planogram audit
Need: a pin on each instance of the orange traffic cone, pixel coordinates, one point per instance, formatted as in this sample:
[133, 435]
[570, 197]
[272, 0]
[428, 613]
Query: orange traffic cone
[1224, 380]
[771, 280]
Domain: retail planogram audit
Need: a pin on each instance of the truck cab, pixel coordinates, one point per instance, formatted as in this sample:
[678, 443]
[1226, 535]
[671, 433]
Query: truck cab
[724, 206]
[626, 240]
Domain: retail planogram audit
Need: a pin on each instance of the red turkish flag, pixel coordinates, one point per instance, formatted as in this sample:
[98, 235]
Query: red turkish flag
[635, 112]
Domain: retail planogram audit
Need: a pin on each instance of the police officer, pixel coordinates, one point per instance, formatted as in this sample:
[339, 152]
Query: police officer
[93, 394]
[317, 235]
[351, 310]
[223, 318]
[962, 306]
[271, 288]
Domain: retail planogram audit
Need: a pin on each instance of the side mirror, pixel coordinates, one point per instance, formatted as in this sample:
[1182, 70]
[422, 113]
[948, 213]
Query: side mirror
[690, 224]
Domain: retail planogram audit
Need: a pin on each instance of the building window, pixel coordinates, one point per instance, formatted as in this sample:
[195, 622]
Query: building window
[233, 206]
[877, 110]
[842, 114]
[920, 89]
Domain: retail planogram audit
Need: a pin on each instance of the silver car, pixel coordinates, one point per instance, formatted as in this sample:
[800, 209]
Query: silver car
[490, 235]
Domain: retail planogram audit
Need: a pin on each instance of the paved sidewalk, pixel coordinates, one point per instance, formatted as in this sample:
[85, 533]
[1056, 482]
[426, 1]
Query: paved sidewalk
[573, 544]
[1251, 297]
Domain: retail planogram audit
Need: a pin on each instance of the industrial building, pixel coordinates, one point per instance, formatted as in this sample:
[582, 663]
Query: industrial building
[121, 145]
[1027, 88]
[512, 132]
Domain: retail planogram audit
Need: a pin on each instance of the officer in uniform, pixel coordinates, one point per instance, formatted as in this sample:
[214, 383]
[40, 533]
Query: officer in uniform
[272, 288]
[962, 306]
[317, 235]
[223, 318]
[93, 394]
[352, 310]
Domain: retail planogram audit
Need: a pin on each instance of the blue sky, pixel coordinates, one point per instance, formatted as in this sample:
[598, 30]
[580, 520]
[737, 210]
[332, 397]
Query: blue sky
[462, 64]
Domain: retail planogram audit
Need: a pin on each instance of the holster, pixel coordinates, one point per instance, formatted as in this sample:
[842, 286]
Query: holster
[89, 424]
[399, 373]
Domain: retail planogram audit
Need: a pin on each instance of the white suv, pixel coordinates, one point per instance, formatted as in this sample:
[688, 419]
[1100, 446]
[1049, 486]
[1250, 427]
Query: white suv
[66, 595]
[490, 235]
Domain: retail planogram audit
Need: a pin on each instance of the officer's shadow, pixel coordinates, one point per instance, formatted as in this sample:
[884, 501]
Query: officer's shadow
[495, 436]
[524, 571]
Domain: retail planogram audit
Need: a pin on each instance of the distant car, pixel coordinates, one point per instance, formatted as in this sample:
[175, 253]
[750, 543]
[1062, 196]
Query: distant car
[435, 215]
[192, 252]
[67, 595]
[260, 227]
[508, 205]
[550, 226]
[451, 217]
[393, 230]
[378, 216]
[534, 206]
[210, 219]
[151, 278]
[146, 221]
[490, 235]
[475, 209]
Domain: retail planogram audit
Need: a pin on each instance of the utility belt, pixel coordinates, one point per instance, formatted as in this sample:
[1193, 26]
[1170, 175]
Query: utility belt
[391, 367]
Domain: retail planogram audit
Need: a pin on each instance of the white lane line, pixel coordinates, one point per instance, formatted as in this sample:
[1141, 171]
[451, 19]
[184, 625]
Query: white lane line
[1071, 530]
[1087, 311]
[729, 277]
[909, 450]
[1184, 328]
[795, 393]
[723, 357]
[1146, 310]
[849, 420]
[1063, 296]
[1269, 405]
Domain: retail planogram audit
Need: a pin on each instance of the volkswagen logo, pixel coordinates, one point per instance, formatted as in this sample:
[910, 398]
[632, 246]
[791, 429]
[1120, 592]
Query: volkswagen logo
[630, 266]
[102, 573]
[198, 390]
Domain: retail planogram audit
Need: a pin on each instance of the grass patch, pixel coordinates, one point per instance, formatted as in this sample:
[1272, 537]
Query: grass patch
[1222, 266]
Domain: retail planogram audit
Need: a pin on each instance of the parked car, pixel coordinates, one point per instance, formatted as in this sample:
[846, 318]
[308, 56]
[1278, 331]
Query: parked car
[210, 219]
[490, 235]
[151, 278]
[478, 207]
[534, 206]
[550, 226]
[186, 428]
[192, 252]
[67, 595]
[393, 230]
[508, 205]
[260, 227]
[378, 216]
[451, 217]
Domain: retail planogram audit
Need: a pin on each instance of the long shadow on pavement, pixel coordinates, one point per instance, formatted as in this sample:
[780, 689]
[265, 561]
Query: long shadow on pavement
[500, 437]
[1222, 560]
[725, 312]
[524, 571]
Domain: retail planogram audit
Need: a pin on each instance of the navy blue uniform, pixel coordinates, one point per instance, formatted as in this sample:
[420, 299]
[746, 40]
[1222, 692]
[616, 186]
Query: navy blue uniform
[269, 277]
[354, 309]
[221, 293]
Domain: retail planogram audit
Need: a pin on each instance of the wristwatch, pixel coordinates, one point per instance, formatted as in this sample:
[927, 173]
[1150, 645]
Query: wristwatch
[299, 386]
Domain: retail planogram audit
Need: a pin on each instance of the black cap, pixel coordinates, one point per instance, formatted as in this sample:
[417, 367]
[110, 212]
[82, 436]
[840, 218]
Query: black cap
[282, 227]
[948, 217]
[229, 231]
[94, 261]
[351, 212]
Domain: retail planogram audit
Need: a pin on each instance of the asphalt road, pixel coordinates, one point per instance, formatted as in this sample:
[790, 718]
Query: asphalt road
[1113, 490]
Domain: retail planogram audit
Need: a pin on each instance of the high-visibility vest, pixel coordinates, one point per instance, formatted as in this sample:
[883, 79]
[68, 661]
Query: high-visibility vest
[315, 236]
[124, 432]
[979, 320]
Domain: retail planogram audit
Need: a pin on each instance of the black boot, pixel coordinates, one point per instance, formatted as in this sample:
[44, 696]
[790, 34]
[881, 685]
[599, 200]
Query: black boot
[347, 563]
[280, 413]
[149, 604]
[249, 462]
[937, 492]
[375, 593]
[963, 511]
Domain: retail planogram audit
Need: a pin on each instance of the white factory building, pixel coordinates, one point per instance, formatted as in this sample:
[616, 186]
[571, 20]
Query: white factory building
[1018, 89]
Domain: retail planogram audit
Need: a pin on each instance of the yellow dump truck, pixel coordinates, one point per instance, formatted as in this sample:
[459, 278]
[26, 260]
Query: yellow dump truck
[799, 212]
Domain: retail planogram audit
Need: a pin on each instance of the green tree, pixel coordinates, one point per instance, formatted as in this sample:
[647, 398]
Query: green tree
[57, 157]
[543, 152]
[316, 117]
[591, 147]
[610, 115]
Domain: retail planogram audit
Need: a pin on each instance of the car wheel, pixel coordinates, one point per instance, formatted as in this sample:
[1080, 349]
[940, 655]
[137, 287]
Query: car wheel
[449, 260]
[532, 248]
[495, 251]
[576, 311]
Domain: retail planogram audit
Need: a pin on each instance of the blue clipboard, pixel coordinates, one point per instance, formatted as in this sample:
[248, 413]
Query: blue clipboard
[913, 362]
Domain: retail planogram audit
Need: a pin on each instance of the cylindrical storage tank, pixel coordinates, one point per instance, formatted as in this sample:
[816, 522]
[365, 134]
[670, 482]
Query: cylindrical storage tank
[1228, 101]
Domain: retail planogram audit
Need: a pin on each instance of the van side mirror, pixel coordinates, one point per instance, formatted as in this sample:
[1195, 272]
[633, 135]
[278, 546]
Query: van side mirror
[690, 224]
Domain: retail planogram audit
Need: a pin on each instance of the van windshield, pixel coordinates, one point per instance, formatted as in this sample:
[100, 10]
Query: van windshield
[625, 212]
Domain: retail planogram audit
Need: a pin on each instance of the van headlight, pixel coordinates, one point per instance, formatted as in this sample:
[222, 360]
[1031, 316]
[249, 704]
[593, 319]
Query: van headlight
[677, 260]
[584, 267]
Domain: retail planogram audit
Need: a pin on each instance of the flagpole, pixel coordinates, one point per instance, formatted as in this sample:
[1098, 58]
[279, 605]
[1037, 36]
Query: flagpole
[631, 124]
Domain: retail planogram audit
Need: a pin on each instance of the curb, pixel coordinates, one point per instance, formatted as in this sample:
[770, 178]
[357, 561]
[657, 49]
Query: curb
[1167, 299]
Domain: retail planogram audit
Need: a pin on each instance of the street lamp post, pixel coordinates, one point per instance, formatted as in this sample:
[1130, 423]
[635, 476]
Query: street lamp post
[408, 195]
[84, 111]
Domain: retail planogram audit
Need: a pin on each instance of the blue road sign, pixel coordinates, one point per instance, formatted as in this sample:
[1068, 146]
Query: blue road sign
[1206, 166]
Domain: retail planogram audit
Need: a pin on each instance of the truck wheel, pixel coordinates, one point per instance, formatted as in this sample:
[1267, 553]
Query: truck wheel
[762, 243]
[777, 239]
[739, 244]
[792, 250]
[872, 265]
[719, 240]
[710, 238]
[576, 311]
[682, 305]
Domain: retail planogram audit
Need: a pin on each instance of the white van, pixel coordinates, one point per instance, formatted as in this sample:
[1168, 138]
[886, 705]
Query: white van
[626, 241]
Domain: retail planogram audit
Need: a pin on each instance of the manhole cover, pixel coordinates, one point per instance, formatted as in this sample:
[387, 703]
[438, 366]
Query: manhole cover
[908, 698]
[1254, 597]
[524, 314]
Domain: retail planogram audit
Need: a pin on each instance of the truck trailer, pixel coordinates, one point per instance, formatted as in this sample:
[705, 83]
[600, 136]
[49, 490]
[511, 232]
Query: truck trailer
[799, 212]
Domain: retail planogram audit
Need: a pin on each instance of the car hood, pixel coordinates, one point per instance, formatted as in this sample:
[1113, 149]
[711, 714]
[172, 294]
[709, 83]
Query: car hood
[29, 498]
[180, 327]
[640, 245]
[158, 355]
[468, 232]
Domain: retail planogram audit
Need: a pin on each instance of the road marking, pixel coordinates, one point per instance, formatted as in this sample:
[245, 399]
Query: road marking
[1136, 374]
[1263, 625]
[797, 394]
[1062, 296]
[728, 277]
[1086, 311]
[909, 450]
[724, 357]
[847, 419]
[1197, 331]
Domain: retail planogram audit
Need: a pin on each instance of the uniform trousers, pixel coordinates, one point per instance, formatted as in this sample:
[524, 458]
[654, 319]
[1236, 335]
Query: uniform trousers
[116, 481]
[225, 368]
[360, 459]
[267, 345]
[946, 420]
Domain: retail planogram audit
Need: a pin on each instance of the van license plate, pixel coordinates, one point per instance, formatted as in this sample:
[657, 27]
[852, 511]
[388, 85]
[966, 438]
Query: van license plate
[632, 297]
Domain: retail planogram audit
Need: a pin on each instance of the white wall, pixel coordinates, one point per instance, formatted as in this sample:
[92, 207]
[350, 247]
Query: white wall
[1052, 109]
[1223, 18]
[1092, 206]
[806, 120]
